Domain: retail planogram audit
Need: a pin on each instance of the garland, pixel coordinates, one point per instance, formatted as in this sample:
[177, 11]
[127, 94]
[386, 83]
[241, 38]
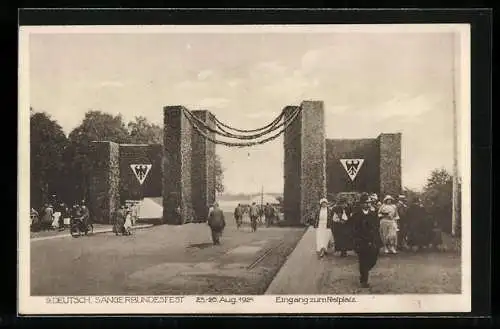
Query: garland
[247, 144]
[222, 132]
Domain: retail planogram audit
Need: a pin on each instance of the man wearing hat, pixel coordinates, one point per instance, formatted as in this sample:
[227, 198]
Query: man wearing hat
[217, 223]
[365, 226]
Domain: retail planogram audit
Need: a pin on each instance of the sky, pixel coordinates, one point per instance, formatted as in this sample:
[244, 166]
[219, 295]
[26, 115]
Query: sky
[370, 83]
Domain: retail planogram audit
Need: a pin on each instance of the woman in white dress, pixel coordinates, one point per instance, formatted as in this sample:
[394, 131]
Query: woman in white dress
[388, 215]
[323, 223]
[128, 221]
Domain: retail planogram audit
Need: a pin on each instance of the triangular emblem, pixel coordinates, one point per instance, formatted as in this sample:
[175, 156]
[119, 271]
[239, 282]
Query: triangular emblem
[352, 167]
[141, 171]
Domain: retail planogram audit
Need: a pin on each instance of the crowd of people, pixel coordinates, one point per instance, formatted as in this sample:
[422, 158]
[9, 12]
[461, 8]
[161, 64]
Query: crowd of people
[258, 214]
[401, 225]
[124, 218]
[58, 216]
[369, 226]
[217, 222]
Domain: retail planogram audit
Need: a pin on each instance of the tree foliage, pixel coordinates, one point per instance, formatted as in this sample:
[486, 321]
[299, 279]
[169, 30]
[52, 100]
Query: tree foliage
[438, 197]
[47, 145]
[96, 126]
[141, 131]
[219, 175]
[61, 165]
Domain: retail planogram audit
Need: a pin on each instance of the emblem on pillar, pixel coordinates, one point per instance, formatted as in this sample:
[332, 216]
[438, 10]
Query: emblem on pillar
[141, 171]
[352, 167]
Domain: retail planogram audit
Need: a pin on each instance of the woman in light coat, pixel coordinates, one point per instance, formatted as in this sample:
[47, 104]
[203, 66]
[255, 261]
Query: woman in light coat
[323, 223]
[388, 215]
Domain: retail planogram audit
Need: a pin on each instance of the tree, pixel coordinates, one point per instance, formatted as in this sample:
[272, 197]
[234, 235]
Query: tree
[47, 145]
[96, 126]
[219, 175]
[141, 131]
[437, 197]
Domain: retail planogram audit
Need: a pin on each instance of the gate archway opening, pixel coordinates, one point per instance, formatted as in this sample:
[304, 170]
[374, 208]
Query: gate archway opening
[189, 159]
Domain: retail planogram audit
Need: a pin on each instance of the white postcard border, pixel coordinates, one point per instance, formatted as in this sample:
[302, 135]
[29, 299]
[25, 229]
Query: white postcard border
[31, 305]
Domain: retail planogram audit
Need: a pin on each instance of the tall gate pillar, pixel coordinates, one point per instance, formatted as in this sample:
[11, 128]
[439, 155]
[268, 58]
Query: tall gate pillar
[104, 187]
[177, 167]
[203, 167]
[305, 162]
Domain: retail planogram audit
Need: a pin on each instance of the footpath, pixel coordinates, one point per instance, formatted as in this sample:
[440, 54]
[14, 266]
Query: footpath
[301, 272]
[98, 228]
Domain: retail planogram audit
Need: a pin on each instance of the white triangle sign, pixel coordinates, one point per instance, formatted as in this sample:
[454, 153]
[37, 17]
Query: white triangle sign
[141, 171]
[352, 167]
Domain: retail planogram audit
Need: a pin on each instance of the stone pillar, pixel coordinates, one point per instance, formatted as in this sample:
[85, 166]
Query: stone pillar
[313, 158]
[104, 188]
[292, 165]
[390, 164]
[177, 167]
[203, 167]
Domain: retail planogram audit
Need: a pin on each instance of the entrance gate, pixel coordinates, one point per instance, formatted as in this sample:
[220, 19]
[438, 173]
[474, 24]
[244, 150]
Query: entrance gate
[188, 163]
[189, 159]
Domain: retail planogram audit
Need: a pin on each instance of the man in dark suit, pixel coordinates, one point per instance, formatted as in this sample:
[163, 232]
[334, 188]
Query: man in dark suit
[365, 226]
[217, 223]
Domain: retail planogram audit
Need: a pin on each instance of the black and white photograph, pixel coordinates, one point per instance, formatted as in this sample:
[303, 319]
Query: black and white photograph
[244, 169]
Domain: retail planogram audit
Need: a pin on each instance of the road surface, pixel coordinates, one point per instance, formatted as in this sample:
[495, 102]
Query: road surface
[161, 260]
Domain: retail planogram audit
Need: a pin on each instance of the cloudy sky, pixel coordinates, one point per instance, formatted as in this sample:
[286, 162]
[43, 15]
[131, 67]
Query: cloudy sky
[370, 83]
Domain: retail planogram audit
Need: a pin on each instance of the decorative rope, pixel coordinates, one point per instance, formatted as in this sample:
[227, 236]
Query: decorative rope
[274, 122]
[232, 144]
[222, 132]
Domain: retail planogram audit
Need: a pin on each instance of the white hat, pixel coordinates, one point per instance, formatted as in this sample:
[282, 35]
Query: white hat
[324, 200]
[388, 197]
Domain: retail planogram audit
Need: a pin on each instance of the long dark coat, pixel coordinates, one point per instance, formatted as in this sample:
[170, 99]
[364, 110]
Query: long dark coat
[365, 230]
[342, 230]
[216, 220]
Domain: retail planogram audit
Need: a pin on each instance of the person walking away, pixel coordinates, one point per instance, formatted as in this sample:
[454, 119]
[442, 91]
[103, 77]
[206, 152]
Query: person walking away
[402, 207]
[254, 215]
[238, 214]
[323, 223]
[217, 224]
[365, 235]
[47, 216]
[260, 211]
[268, 213]
[388, 215]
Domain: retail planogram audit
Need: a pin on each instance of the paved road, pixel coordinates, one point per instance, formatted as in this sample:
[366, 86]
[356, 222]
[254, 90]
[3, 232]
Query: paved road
[161, 260]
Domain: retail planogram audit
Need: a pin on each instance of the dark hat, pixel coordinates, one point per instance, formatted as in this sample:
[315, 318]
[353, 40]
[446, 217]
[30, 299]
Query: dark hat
[364, 198]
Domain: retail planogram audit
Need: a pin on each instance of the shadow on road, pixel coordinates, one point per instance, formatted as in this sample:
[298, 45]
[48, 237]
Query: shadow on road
[200, 245]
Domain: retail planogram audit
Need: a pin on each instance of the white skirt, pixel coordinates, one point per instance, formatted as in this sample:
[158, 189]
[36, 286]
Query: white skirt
[128, 222]
[55, 222]
[323, 236]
